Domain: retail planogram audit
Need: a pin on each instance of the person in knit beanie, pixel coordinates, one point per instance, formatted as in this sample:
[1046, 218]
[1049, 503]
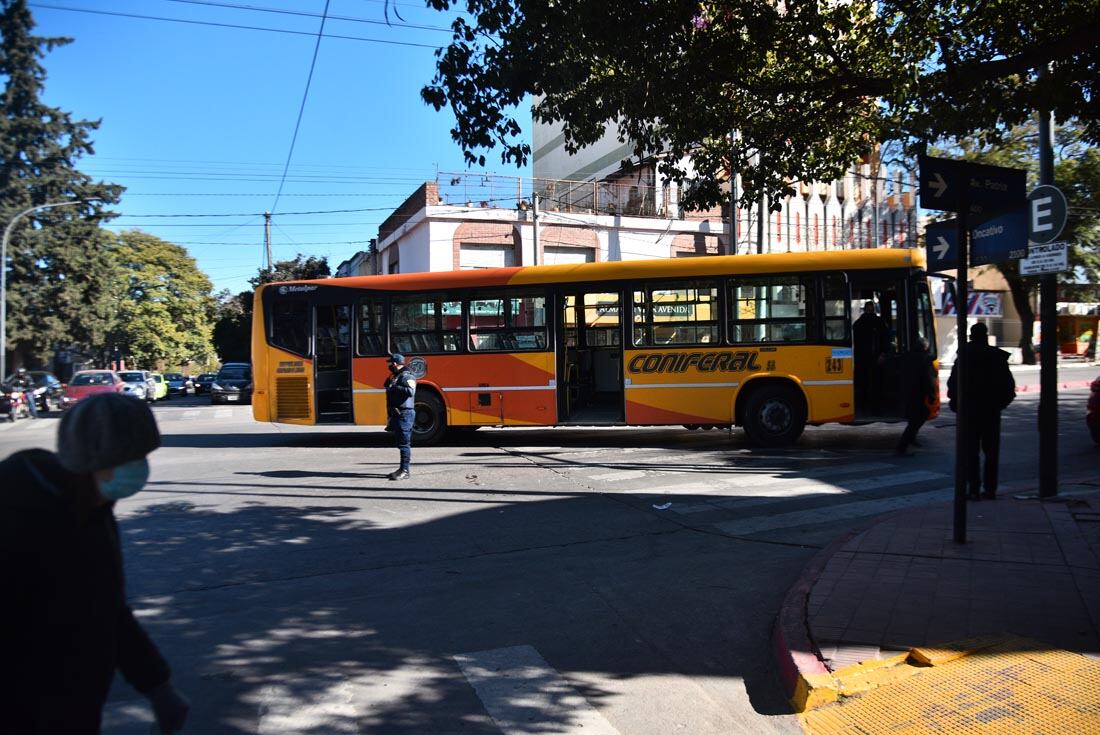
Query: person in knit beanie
[65, 626]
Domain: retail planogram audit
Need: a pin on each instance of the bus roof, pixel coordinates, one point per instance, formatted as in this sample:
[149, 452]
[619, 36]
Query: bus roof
[618, 270]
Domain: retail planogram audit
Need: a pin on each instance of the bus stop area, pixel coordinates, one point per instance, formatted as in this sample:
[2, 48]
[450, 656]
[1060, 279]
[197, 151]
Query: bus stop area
[896, 628]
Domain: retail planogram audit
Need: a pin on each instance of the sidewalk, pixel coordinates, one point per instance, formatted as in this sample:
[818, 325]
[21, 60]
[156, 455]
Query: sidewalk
[864, 607]
[1027, 376]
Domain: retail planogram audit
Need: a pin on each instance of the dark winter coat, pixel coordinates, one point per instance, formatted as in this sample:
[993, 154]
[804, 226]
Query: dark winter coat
[65, 626]
[989, 386]
[918, 374]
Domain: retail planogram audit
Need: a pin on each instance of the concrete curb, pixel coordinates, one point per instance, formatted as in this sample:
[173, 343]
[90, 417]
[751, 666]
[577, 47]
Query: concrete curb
[807, 681]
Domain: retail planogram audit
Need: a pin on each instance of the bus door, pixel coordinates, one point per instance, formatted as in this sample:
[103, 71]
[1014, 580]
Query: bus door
[332, 363]
[880, 336]
[590, 357]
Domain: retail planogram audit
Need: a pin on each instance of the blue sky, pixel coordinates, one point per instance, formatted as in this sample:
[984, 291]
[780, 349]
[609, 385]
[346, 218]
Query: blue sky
[198, 119]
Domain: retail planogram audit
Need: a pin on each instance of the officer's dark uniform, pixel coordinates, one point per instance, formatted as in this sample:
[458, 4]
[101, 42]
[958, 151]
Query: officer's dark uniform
[401, 411]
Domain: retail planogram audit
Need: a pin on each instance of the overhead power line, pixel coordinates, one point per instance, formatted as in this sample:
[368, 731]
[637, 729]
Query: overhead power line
[304, 14]
[228, 25]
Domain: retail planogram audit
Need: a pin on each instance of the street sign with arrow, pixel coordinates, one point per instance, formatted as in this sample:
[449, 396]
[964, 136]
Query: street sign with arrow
[942, 245]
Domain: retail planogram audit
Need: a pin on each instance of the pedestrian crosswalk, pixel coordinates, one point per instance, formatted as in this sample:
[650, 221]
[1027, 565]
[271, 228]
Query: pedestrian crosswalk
[754, 493]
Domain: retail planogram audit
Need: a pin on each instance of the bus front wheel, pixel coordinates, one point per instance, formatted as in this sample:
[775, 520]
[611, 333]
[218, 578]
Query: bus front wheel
[775, 416]
[431, 420]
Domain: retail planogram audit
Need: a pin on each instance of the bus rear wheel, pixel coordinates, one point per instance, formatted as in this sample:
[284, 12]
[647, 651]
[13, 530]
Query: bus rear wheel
[430, 424]
[775, 416]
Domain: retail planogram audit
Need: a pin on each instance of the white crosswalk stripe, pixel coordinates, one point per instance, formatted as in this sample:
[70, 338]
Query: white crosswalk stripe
[526, 696]
[748, 497]
[847, 511]
[773, 476]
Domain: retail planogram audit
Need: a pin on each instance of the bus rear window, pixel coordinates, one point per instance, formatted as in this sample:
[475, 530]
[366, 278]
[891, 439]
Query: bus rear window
[290, 326]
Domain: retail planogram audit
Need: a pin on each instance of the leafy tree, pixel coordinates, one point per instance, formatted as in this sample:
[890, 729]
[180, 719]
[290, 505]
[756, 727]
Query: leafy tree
[1077, 174]
[58, 265]
[163, 302]
[810, 86]
[233, 328]
[300, 268]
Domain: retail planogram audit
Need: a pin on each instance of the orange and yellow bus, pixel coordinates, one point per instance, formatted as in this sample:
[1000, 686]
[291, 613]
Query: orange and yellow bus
[759, 341]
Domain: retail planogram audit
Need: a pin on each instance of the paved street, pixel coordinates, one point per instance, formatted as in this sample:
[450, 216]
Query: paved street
[523, 581]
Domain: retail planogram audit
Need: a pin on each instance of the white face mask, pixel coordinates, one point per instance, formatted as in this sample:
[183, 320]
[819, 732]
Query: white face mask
[128, 479]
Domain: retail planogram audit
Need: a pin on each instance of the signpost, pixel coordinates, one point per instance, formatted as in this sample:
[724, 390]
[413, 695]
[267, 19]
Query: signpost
[941, 245]
[997, 197]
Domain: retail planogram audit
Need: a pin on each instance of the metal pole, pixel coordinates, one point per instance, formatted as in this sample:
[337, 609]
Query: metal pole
[4, 279]
[535, 223]
[1048, 314]
[267, 238]
[962, 416]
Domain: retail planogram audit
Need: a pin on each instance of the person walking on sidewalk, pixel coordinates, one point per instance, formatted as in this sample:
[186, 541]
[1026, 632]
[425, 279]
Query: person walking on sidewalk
[401, 410]
[65, 625]
[988, 390]
[918, 376]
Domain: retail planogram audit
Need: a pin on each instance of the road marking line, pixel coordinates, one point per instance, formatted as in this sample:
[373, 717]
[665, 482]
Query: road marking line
[771, 477]
[848, 511]
[749, 497]
[526, 696]
[620, 475]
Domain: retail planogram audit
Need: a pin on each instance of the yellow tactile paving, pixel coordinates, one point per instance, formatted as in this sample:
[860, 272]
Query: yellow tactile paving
[1017, 687]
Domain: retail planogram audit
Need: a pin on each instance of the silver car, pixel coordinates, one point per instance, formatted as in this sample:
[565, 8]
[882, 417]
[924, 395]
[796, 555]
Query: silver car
[139, 384]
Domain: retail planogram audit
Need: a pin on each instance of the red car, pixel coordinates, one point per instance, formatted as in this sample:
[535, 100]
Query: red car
[87, 382]
[1092, 416]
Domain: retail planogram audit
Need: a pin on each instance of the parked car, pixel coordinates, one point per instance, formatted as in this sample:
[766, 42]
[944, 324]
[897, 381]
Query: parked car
[1092, 414]
[160, 387]
[89, 382]
[202, 383]
[139, 384]
[233, 383]
[48, 390]
[178, 384]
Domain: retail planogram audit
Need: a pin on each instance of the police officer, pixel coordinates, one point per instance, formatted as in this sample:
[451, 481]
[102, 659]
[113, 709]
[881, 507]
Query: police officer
[400, 407]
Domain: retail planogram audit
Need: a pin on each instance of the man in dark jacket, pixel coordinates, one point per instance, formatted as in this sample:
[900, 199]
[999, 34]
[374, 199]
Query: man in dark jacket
[988, 389]
[870, 341]
[65, 626]
[401, 410]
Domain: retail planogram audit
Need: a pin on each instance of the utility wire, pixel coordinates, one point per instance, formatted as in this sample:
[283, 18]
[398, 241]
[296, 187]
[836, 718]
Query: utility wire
[301, 13]
[227, 25]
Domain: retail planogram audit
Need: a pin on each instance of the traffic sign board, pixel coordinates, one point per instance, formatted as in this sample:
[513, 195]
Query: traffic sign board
[998, 238]
[949, 184]
[942, 245]
[1047, 209]
[1045, 258]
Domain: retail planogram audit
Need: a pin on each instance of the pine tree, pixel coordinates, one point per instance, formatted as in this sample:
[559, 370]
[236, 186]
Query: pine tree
[58, 261]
